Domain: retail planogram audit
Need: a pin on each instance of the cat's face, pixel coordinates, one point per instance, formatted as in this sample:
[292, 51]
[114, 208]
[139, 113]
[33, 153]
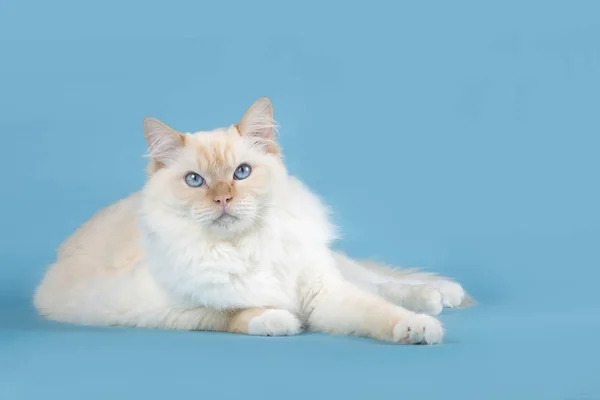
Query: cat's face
[224, 180]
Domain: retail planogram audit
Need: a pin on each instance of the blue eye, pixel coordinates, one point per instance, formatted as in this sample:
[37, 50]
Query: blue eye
[194, 180]
[242, 172]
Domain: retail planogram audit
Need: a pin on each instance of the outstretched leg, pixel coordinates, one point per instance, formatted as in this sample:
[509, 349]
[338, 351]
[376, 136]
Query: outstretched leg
[417, 291]
[334, 305]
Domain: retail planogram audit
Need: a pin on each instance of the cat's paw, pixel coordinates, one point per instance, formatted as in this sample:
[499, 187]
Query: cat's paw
[420, 298]
[418, 329]
[424, 299]
[453, 293]
[274, 323]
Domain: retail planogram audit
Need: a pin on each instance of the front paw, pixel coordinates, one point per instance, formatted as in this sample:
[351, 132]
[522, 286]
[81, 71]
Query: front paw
[274, 323]
[453, 293]
[424, 299]
[418, 329]
[419, 298]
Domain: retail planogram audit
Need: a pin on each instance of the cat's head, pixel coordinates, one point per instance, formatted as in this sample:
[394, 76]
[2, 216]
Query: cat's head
[224, 180]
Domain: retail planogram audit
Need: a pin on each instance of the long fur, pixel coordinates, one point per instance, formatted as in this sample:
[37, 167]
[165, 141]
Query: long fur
[176, 257]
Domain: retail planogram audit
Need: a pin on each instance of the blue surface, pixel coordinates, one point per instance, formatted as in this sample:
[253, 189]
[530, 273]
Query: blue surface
[461, 136]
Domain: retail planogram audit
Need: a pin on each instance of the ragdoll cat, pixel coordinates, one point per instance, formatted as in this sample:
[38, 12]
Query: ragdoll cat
[221, 238]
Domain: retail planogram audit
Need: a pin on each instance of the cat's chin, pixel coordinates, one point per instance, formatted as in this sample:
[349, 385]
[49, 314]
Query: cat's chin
[229, 225]
[225, 219]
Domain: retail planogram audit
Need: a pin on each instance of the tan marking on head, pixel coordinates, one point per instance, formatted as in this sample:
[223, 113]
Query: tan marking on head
[153, 166]
[272, 147]
[203, 155]
[217, 155]
[221, 156]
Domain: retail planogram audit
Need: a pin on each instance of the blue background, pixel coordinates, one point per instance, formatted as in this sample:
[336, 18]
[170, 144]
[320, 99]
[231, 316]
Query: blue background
[459, 136]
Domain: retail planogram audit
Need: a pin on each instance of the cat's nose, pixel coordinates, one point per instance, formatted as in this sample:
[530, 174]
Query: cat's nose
[223, 199]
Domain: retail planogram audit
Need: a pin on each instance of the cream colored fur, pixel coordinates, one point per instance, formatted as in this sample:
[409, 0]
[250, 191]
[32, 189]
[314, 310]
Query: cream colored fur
[177, 257]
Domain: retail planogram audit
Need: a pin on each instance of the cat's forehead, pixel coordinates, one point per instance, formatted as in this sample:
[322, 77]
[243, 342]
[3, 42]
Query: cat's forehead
[217, 150]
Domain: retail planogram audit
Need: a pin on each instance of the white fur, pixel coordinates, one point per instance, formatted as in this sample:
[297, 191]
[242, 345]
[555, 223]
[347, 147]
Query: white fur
[418, 329]
[274, 323]
[147, 261]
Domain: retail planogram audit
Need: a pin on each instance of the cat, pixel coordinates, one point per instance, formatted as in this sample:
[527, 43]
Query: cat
[221, 238]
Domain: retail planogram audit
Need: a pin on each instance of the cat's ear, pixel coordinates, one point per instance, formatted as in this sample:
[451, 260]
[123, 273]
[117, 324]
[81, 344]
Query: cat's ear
[164, 143]
[258, 121]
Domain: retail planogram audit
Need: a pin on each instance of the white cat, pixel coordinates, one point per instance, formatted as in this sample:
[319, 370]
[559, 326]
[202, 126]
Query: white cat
[221, 238]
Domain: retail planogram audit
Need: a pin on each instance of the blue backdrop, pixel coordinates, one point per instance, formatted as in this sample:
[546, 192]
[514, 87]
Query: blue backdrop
[459, 136]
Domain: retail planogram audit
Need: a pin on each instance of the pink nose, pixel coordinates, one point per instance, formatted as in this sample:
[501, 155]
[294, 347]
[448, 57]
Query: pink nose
[222, 199]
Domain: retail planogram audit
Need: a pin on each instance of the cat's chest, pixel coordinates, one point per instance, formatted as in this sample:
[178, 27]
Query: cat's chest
[257, 288]
[226, 276]
[248, 278]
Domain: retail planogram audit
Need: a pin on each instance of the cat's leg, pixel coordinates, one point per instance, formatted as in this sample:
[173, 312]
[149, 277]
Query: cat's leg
[252, 321]
[159, 315]
[415, 297]
[453, 294]
[416, 291]
[191, 319]
[132, 298]
[418, 298]
[334, 305]
[264, 322]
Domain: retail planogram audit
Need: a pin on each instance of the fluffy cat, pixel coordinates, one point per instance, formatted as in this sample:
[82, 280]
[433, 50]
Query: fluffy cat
[221, 238]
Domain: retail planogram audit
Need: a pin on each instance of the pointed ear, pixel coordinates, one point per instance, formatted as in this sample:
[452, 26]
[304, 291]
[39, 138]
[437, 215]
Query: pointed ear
[258, 120]
[164, 144]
